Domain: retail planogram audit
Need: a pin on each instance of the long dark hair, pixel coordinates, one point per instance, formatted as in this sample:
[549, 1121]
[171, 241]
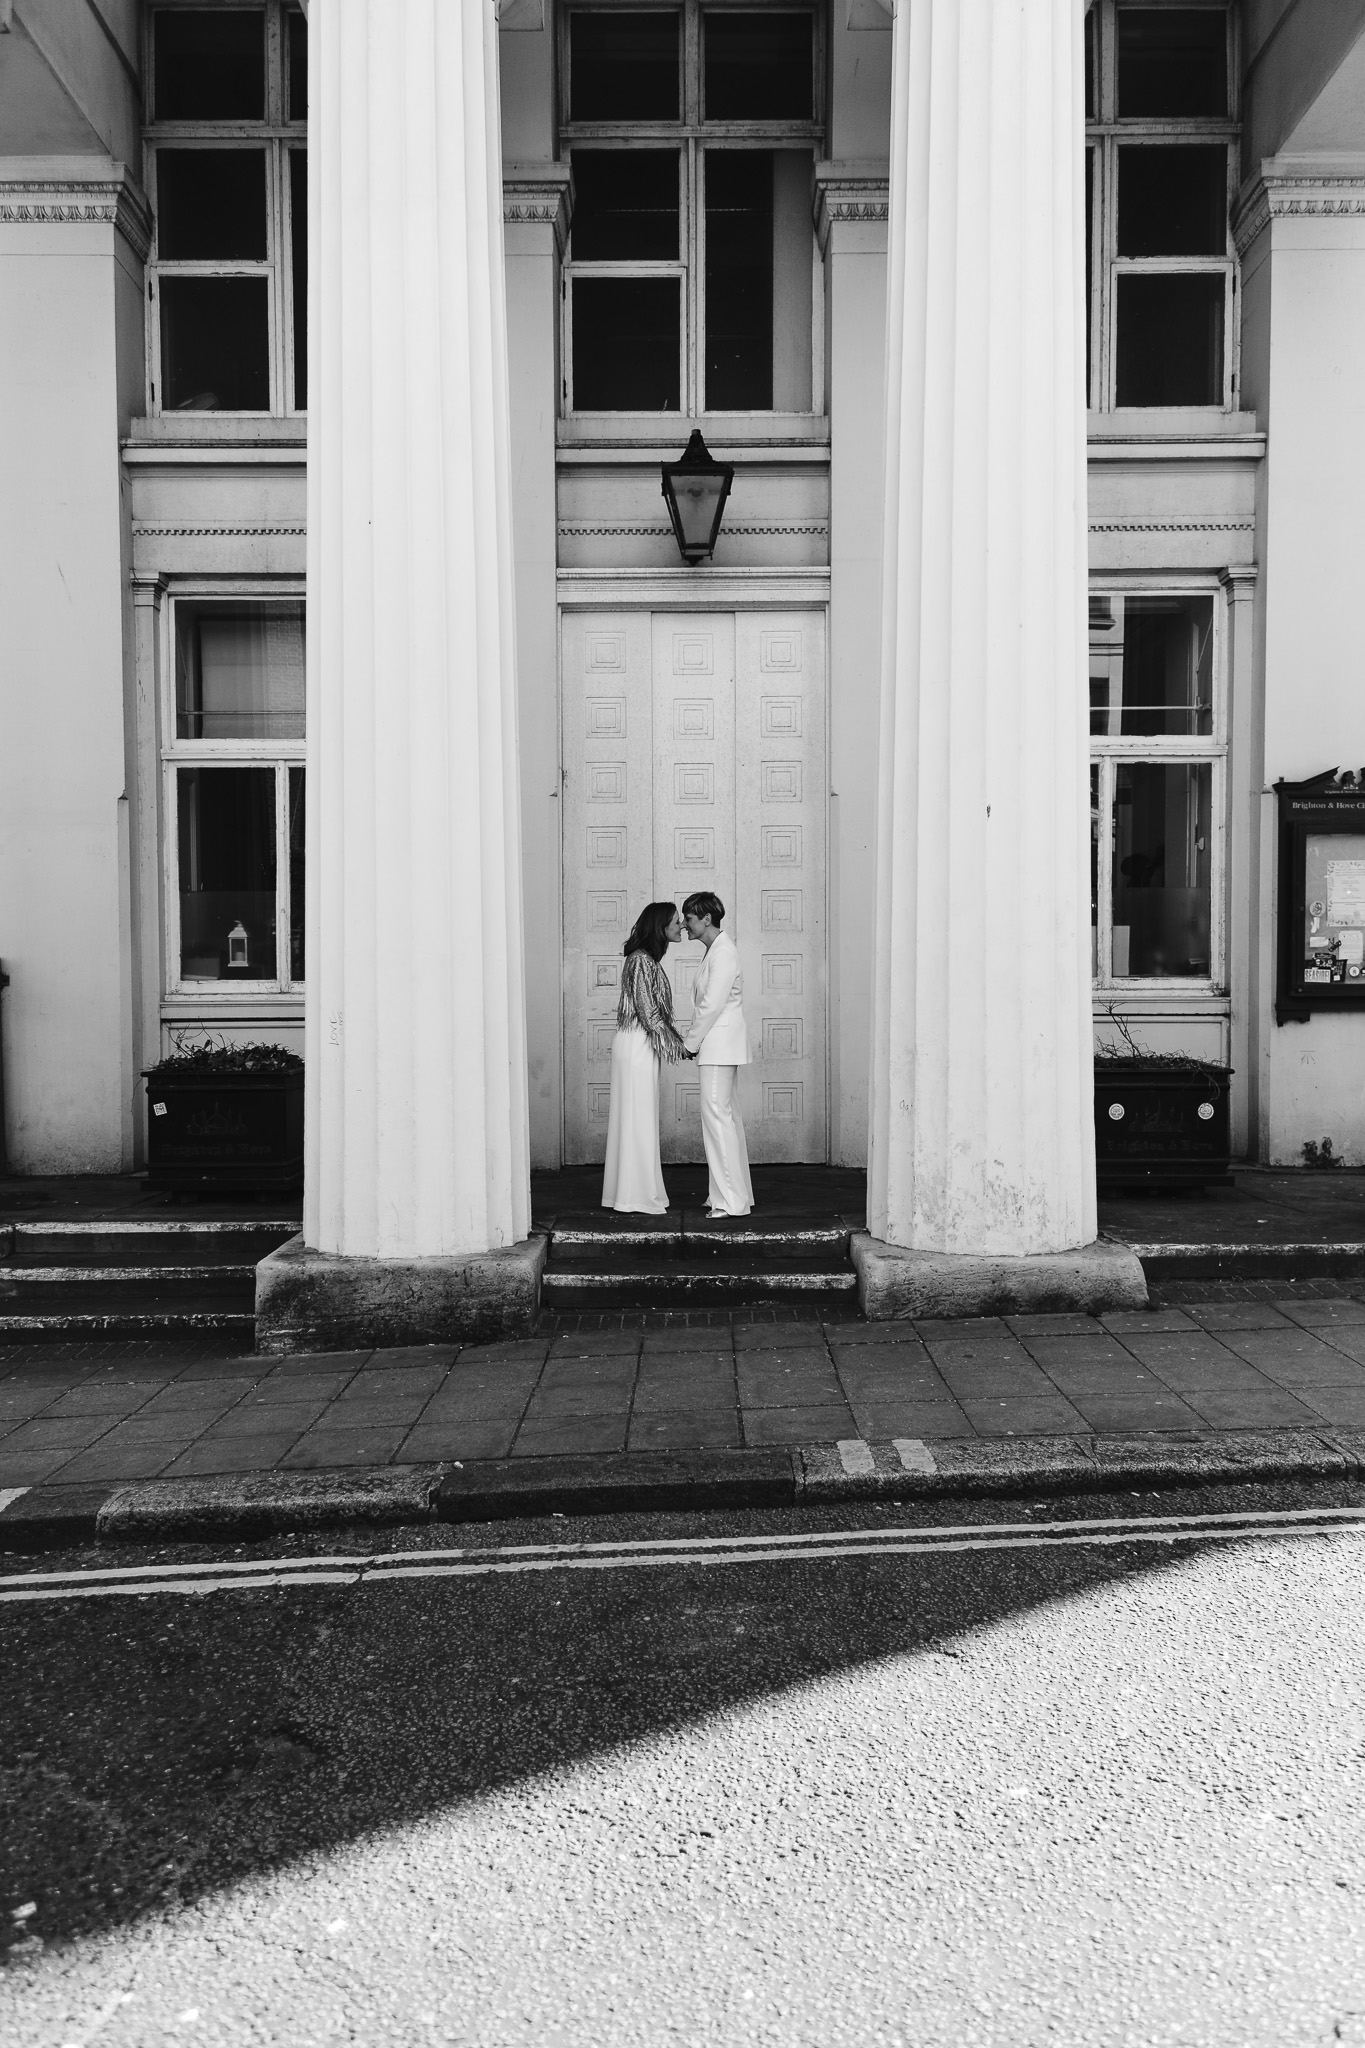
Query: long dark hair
[649, 933]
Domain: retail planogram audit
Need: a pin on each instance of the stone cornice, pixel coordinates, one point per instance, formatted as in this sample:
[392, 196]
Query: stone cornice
[847, 193]
[104, 193]
[1280, 198]
[538, 195]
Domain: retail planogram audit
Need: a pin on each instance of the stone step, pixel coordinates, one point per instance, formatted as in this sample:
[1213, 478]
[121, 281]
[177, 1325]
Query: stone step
[680, 1283]
[694, 1235]
[81, 1287]
[153, 1241]
[61, 1326]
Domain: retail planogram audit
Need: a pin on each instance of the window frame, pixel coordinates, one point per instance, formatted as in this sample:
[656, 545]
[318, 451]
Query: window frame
[1105, 133]
[277, 137]
[177, 753]
[1108, 753]
[691, 135]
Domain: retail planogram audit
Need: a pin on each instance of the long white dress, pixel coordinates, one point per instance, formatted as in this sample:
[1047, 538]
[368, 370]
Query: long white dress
[633, 1178]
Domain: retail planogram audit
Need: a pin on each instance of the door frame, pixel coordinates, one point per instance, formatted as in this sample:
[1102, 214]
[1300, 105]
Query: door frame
[696, 590]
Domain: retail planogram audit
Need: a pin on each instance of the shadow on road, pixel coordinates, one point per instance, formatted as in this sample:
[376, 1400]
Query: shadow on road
[156, 1749]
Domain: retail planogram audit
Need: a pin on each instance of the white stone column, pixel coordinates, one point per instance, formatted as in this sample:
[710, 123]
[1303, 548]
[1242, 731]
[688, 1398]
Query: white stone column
[982, 1138]
[416, 1043]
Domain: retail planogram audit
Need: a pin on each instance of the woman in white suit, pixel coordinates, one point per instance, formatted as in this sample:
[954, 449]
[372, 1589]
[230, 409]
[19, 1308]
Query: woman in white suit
[633, 1179]
[718, 1040]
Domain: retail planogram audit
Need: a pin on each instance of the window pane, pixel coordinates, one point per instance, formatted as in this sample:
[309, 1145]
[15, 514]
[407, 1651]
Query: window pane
[1151, 667]
[1173, 201]
[758, 280]
[239, 671]
[623, 67]
[1091, 96]
[758, 66]
[625, 205]
[1173, 61]
[296, 873]
[296, 31]
[210, 204]
[227, 874]
[1162, 832]
[626, 344]
[215, 344]
[1334, 878]
[209, 64]
[298, 242]
[1170, 340]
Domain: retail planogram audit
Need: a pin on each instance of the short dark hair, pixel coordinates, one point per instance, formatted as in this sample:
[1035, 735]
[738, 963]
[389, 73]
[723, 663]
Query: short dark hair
[649, 933]
[704, 904]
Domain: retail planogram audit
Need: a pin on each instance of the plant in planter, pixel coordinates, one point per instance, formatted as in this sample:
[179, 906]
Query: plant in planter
[1161, 1119]
[225, 1118]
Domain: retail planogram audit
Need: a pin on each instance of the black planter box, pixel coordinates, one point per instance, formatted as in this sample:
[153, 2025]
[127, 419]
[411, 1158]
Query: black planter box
[1160, 1126]
[232, 1131]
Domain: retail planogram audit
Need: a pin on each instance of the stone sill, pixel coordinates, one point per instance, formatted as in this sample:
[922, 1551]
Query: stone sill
[216, 430]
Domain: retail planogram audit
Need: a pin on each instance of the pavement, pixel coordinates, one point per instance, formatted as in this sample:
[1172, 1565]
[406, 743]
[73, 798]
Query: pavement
[1077, 1775]
[845, 1408]
[1257, 1375]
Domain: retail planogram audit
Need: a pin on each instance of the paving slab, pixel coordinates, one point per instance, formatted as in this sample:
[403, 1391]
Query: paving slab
[1034, 1415]
[711, 1429]
[797, 1425]
[439, 1438]
[1276, 1408]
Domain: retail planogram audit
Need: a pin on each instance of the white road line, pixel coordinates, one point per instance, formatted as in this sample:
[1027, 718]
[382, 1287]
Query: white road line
[855, 1456]
[931, 1535]
[208, 1578]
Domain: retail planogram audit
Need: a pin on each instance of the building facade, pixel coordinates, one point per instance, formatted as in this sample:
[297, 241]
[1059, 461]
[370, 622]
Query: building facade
[703, 208]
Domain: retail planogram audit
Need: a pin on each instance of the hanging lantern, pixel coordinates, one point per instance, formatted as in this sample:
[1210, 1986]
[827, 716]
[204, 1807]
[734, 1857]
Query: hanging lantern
[695, 488]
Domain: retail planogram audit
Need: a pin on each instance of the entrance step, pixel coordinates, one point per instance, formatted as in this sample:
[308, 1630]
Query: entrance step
[65, 1280]
[686, 1259]
[692, 1283]
[695, 1235]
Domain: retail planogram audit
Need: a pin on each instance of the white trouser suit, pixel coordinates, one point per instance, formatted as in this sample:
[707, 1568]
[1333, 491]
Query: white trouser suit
[720, 1039]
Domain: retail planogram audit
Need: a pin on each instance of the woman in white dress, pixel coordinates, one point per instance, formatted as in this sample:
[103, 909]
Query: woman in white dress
[634, 1179]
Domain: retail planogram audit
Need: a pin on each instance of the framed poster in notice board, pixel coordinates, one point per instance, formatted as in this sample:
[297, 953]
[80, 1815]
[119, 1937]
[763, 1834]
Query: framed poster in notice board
[1321, 937]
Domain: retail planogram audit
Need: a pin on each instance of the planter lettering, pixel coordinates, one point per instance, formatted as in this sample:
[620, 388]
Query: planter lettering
[229, 1132]
[1160, 1123]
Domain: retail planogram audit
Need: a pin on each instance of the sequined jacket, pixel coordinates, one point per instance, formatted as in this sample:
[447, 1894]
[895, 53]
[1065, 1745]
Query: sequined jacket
[647, 1000]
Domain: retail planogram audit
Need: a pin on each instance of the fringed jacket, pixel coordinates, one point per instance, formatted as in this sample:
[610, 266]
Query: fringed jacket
[647, 1000]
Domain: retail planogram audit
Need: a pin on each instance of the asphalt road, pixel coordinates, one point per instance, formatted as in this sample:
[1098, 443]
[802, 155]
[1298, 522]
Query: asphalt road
[828, 1778]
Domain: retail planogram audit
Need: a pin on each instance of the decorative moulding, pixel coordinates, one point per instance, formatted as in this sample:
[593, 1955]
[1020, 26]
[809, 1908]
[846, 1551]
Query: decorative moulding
[538, 195]
[143, 527]
[857, 193]
[97, 191]
[1275, 197]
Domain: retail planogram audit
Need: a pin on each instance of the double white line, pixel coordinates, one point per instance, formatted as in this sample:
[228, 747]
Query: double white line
[226, 1575]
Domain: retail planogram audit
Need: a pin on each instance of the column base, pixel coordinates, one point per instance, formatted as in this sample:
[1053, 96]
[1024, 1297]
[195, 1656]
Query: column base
[317, 1301]
[895, 1283]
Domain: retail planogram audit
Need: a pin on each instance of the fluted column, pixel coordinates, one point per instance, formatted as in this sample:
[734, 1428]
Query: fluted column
[416, 1105]
[982, 1136]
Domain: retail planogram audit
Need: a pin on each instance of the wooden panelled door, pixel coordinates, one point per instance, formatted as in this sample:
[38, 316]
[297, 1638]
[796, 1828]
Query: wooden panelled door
[694, 758]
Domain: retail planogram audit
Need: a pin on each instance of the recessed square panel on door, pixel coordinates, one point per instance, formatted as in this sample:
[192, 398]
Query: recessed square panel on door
[780, 786]
[607, 804]
[694, 817]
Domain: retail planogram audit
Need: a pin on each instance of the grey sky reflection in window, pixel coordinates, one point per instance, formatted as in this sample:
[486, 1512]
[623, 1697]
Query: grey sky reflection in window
[239, 671]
